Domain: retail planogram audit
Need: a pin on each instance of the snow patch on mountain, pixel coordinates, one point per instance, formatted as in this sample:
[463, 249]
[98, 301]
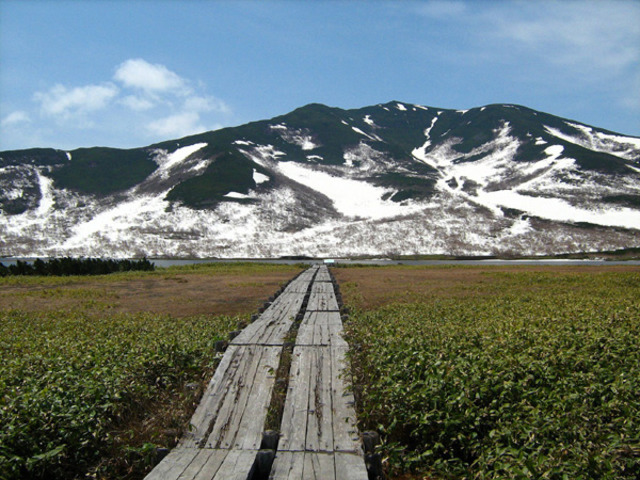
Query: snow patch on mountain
[521, 226]
[352, 198]
[364, 158]
[370, 137]
[263, 155]
[114, 222]
[46, 195]
[495, 164]
[420, 152]
[237, 195]
[259, 177]
[167, 162]
[559, 210]
[621, 146]
[296, 136]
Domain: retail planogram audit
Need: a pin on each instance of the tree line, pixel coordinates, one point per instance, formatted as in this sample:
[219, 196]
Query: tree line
[74, 266]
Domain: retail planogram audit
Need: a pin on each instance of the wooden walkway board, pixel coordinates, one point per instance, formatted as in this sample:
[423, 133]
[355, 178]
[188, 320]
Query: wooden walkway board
[274, 324]
[319, 438]
[318, 466]
[322, 298]
[323, 274]
[321, 329]
[319, 411]
[233, 409]
[204, 464]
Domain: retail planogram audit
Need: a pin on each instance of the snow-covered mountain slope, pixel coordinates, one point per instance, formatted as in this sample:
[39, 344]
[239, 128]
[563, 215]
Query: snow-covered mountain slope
[386, 179]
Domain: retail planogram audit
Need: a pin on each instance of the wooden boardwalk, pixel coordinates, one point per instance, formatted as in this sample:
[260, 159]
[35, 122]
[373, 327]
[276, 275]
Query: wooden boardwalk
[318, 434]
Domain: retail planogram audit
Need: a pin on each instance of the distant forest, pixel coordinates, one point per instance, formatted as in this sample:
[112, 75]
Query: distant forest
[74, 266]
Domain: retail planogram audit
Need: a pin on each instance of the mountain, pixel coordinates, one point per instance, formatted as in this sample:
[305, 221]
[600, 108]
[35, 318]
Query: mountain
[387, 179]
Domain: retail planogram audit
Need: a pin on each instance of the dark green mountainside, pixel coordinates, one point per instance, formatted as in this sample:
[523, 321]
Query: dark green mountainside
[315, 134]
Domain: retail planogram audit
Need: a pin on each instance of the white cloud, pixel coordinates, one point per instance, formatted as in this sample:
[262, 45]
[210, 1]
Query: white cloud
[65, 102]
[197, 103]
[137, 103]
[581, 37]
[178, 125]
[15, 118]
[582, 34]
[138, 73]
[140, 101]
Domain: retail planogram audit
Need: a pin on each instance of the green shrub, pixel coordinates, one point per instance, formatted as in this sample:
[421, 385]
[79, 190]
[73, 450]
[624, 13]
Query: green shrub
[539, 379]
[69, 381]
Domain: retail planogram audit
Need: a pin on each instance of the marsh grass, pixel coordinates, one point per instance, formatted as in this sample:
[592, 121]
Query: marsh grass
[98, 373]
[499, 373]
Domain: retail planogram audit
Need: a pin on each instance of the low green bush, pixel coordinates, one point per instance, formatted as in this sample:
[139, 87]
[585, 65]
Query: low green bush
[538, 379]
[69, 381]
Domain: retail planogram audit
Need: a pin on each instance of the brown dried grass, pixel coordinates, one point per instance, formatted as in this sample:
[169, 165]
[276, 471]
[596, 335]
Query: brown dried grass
[372, 287]
[179, 293]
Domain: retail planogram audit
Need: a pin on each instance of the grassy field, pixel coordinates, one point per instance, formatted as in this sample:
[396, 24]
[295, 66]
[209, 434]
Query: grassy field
[98, 373]
[503, 372]
[467, 372]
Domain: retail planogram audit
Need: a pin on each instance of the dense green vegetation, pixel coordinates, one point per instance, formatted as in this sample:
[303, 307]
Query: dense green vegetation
[228, 173]
[101, 170]
[490, 373]
[74, 266]
[524, 375]
[34, 156]
[86, 391]
[70, 383]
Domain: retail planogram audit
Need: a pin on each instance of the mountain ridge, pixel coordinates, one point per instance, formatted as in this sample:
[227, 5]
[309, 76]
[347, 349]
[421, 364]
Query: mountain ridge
[392, 178]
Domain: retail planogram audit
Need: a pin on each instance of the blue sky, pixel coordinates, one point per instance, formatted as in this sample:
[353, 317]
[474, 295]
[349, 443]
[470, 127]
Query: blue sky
[131, 73]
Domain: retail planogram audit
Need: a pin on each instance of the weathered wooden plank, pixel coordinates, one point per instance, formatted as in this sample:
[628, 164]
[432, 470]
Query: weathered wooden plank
[287, 466]
[212, 398]
[205, 464]
[321, 329]
[322, 287]
[244, 405]
[318, 466]
[350, 466]
[322, 297]
[319, 301]
[173, 464]
[325, 318]
[323, 274]
[236, 466]
[222, 428]
[346, 438]
[274, 324]
[251, 426]
[320, 411]
[294, 418]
